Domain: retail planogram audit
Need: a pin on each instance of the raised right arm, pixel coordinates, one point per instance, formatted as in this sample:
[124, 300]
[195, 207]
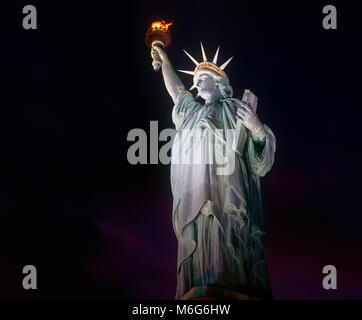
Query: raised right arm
[172, 81]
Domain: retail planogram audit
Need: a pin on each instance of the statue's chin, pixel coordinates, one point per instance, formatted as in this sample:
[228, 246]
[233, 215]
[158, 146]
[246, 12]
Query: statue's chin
[204, 95]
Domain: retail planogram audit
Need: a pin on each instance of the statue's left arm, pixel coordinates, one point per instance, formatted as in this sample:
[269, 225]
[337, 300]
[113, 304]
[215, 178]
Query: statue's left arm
[261, 143]
[260, 152]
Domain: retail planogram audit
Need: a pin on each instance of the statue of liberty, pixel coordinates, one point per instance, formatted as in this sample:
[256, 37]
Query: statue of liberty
[217, 218]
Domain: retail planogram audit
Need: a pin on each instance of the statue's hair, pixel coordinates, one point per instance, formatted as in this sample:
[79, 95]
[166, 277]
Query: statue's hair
[225, 91]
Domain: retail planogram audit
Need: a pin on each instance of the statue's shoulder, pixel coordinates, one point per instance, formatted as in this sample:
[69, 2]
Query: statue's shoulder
[185, 91]
[185, 97]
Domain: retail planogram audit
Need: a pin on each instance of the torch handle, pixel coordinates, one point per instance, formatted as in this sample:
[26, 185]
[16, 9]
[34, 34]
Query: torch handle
[156, 62]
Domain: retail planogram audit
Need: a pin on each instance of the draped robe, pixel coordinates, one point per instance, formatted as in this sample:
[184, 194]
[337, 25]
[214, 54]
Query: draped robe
[218, 218]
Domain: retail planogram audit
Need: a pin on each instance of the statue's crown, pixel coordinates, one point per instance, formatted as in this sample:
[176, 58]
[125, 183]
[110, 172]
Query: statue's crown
[210, 66]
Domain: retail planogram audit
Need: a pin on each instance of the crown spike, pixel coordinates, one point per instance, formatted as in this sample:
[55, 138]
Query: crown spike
[193, 87]
[214, 61]
[222, 67]
[191, 57]
[188, 72]
[203, 52]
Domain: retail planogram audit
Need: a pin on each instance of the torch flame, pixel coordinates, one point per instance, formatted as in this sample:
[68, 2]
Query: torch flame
[160, 26]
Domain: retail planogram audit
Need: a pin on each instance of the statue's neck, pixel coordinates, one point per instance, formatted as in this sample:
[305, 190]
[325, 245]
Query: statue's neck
[215, 96]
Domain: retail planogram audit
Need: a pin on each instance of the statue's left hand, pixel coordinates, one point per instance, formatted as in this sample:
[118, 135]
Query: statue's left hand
[250, 120]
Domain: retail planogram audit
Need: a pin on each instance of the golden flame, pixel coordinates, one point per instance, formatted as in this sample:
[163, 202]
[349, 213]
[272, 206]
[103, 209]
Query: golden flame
[160, 26]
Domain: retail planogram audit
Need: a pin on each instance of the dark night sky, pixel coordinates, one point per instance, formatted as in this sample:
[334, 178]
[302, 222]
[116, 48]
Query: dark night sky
[96, 226]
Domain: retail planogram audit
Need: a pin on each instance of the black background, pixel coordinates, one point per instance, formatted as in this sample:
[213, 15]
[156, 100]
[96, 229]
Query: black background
[96, 226]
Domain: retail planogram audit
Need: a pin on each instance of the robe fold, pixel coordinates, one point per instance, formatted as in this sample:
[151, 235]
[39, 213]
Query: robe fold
[218, 217]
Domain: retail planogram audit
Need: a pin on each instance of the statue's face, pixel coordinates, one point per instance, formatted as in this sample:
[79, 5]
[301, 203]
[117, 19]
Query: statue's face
[205, 85]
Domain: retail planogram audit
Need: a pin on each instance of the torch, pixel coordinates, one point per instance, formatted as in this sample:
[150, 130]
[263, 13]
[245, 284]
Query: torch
[158, 34]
